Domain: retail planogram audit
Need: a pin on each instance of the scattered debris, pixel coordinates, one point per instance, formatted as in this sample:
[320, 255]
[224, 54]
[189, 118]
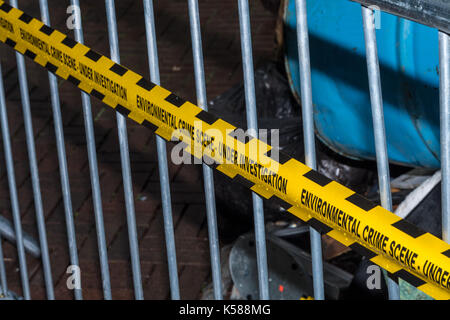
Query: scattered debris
[289, 270]
[415, 195]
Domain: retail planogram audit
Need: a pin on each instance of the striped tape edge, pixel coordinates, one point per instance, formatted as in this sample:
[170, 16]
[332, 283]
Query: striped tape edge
[175, 100]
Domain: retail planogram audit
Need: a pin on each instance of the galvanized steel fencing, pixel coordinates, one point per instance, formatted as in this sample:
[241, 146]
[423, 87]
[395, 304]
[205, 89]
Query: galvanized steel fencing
[250, 100]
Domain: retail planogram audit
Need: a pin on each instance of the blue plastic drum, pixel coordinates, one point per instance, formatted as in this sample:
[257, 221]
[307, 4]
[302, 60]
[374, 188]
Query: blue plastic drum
[409, 65]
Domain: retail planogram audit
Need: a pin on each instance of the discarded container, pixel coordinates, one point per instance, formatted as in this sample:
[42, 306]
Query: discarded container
[409, 66]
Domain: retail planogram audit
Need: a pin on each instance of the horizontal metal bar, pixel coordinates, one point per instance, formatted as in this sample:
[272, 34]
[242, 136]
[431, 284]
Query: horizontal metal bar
[30, 244]
[433, 13]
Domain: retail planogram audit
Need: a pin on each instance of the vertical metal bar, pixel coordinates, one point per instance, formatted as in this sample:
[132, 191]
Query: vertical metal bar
[208, 178]
[252, 124]
[13, 190]
[34, 168]
[309, 137]
[444, 97]
[125, 160]
[3, 281]
[93, 171]
[56, 108]
[162, 156]
[33, 165]
[31, 155]
[376, 100]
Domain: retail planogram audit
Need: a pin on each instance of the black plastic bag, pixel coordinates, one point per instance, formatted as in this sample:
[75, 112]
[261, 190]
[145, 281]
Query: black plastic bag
[278, 109]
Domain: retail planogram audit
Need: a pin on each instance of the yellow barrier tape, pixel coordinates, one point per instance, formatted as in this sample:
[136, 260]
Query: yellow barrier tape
[394, 244]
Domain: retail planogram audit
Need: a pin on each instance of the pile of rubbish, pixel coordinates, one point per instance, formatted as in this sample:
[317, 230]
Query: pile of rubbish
[416, 197]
